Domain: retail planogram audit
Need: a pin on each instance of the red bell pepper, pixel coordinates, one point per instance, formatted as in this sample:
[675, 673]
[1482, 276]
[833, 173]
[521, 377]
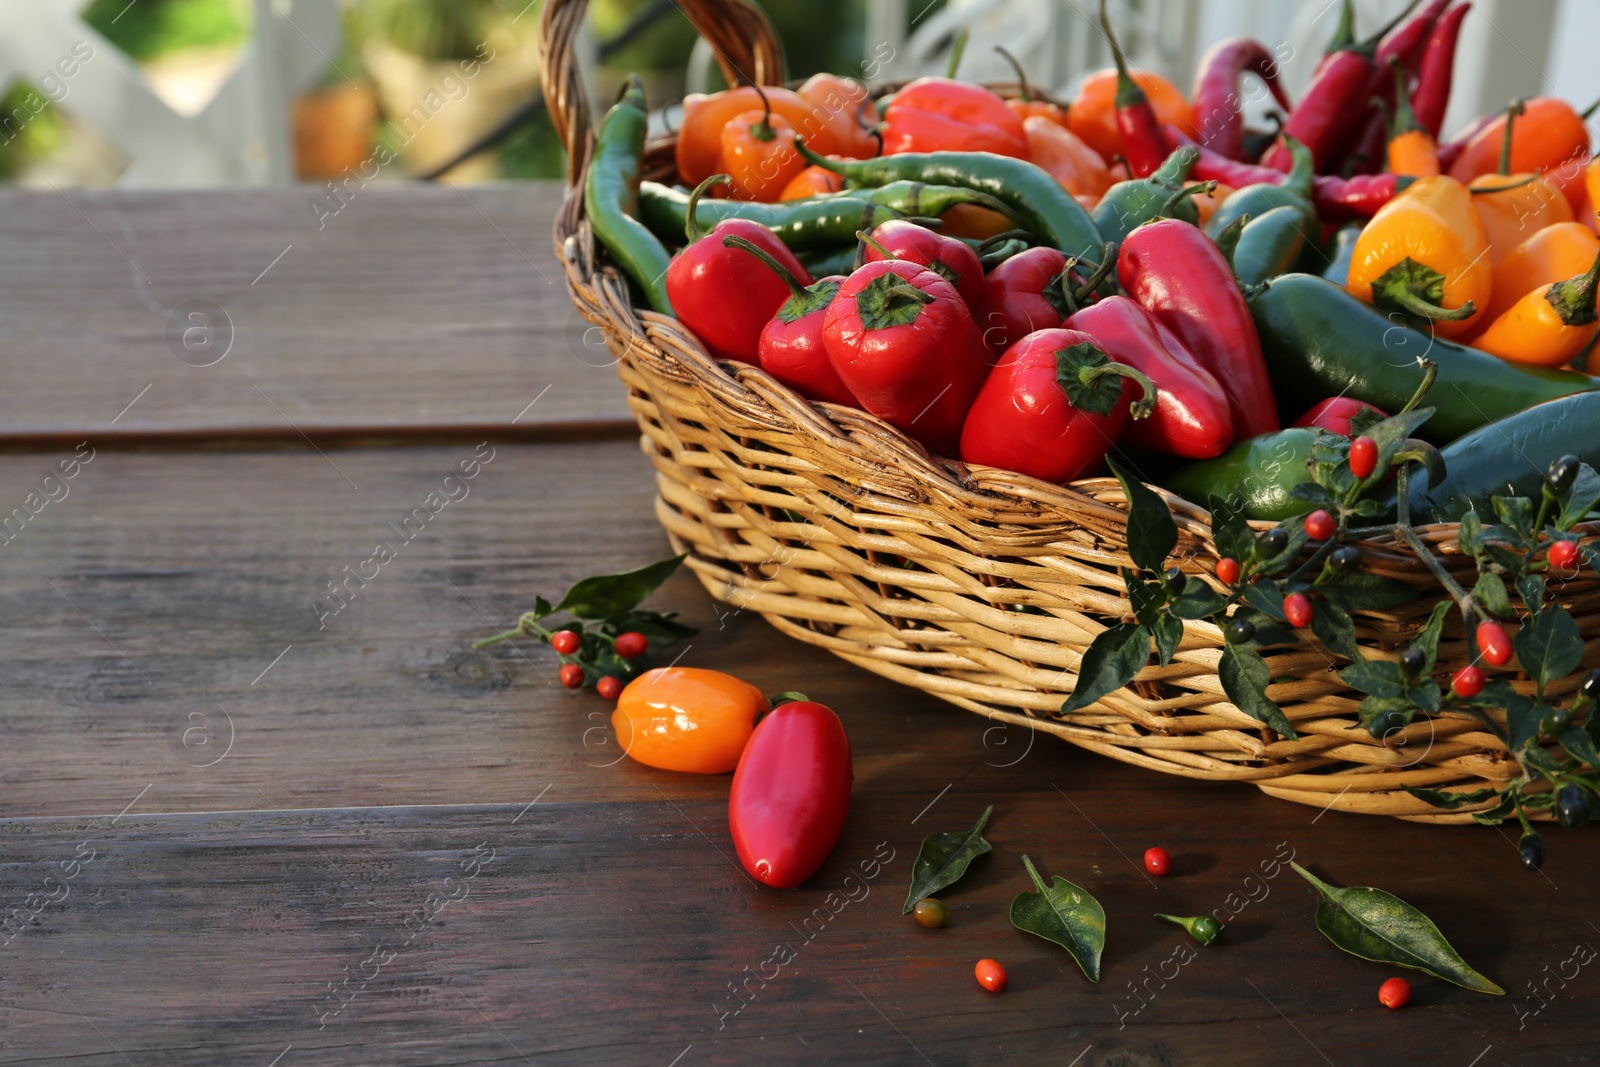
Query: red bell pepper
[1191, 417]
[791, 348]
[1336, 199]
[1432, 97]
[952, 260]
[902, 340]
[1218, 107]
[944, 115]
[1032, 290]
[1144, 142]
[790, 793]
[1177, 273]
[1053, 408]
[1335, 413]
[703, 278]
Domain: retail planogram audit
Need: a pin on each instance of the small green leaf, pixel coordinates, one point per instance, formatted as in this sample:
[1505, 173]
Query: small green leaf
[1375, 925]
[1334, 629]
[1392, 436]
[1269, 631]
[1312, 494]
[1427, 638]
[1426, 695]
[1197, 601]
[1496, 815]
[660, 628]
[1230, 529]
[1146, 598]
[1377, 677]
[1450, 801]
[1373, 707]
[1580, 746]
[541, 608]
[1152, 535]
[1065, 914]
[1549, 646]
[1168, 632]
[1470, 533]
[1522, 721]
[1364, 420]
[605, 595]
[1532, 588]
[1110, 663]
[1490, 594]
[1516, 513]
[944, 858]
[1368, 592]
[1245, 677]
[1265, 597]
[1582, 500]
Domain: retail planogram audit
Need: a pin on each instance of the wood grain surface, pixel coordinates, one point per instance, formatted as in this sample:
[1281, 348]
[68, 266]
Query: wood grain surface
[233, 831]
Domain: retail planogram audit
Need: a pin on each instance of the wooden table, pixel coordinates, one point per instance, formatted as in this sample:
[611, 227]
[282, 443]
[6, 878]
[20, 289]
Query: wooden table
[255, 839]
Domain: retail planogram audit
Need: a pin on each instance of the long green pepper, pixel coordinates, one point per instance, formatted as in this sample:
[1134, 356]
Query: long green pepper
[611, 196]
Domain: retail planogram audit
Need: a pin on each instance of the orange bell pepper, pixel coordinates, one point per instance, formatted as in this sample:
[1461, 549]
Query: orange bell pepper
[813, 181]
[758, 154]
[1412, 148]
[851, 115]
[1549, 326]
[1093, 115]
[1425, 255]
[1549, 134]
[699, 150]
[1054, 149]
[1551, 255]
[1027, 103]
[1513, 207]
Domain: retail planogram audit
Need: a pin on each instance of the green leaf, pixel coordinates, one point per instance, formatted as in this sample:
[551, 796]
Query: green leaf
[660, 628]
[1549, 646]
[1496, 815]
[1490, 595]
[1065, 914]
[1375, 925]
[1376, 677]
[1245, 677]
[1368, 592]
[1312, 494]
[1372, 707]
[1334, 629]
[1450, 801]
[1516, 513]
[1198, 601]
[1146, 598]
[1364, 420]
[1539, 802]
[1427, 638]
[1582, 500]
[1230, 529]
[1522, 721]
[1369, 508]
[1426, 695]
[1296, 529]
[541, 608]
[1152, 535]
[605, 595]
[1269, 631]
[1265, 597]
[1591, 555]
[1580, 746]
[1110, 663]
[1470, 533]
[1532, 588]
[1168, 634]
[1392, 436]
[944, 858]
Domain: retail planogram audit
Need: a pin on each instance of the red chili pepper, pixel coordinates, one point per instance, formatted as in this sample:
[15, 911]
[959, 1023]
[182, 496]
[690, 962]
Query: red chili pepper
[1053, 407]
[902, 340]
[1364, 153]
[1451, 151]
[707, 275]
[791, 348]
[1335, 413]
[1227, 570]
[1563, 554]
[952, 260]
[1174, 271]
[1363, 457]
[1468, 682]
[1494, 644]
[1320, 525]
[1218, 107]
[790, 793]
[944, 115]
[1191, 417]
[1297, 610]
[1144, 142]
[1336, 199]
[1033, 290]
[1432, 97]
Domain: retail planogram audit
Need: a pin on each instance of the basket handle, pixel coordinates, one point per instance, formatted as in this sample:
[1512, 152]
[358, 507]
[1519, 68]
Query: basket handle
[744, 41]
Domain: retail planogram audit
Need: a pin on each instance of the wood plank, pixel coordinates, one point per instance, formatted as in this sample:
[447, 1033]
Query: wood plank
[415, 306]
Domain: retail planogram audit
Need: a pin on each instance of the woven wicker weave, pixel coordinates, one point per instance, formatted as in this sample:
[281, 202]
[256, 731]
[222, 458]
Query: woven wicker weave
[845, 534]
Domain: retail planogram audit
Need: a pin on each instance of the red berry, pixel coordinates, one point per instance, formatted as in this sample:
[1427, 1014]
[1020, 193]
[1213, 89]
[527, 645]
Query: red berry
[607, 687]
[1468, 682]
[571, 675]
[1493, 643]
[565, 642]
[631, 645]
[990, 975]
[1363, 456]
[1297, 609]
[1320, 525]
[1227, 571]
[1563, 554]
[1395, 993]
[1157, 861]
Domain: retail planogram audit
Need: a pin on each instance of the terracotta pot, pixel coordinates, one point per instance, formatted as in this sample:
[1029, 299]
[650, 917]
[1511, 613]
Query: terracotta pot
[333, 130]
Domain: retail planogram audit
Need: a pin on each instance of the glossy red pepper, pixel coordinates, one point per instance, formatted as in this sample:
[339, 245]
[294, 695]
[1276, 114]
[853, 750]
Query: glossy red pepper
[1451, 151]
[1174, 271]
[1335, 413]
[1432, 97]
[1144, 142]
[1218, 106]
[902, 340]
[701, 278]
[1032, 290]
[791, 793]
[1191, 417]
[1053, 407]
[952, 260]
[944, 115]
[791, 348]
[1336, 199]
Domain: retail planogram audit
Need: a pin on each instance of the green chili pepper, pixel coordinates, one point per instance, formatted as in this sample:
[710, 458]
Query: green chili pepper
[824, 262]
[1203, 928]
[1128, 205]
[1320, 341]
[1294, 191]
[1036, 200]
[1257, 475]
[611, 196]
[1269, 245]
[1343, 253]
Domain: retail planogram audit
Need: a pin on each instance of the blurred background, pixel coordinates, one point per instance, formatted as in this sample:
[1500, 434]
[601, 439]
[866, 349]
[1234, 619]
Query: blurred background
[248, 92]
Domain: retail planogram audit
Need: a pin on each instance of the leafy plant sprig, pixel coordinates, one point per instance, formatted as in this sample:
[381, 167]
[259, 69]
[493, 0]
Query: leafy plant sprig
[601, 607]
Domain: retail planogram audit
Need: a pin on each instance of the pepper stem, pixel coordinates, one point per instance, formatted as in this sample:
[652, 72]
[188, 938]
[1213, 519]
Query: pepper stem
[1430, 371]
[867, 238]
[1415, 304]
[1344, 35]
[764, 130]
[1370, 45]
[1025, 90]
[1141, 408]
[1198, 189]
[1588, 113]
[691, 227]
[735, 241]
[1303, 172]
[1417, 289]
[1402, 119]
[1517, 107]
[1070, 300]
[1227, 240]
[1487, 190]
[956, 52]
[1108, 263]
[1129, 94]
[1574, 299]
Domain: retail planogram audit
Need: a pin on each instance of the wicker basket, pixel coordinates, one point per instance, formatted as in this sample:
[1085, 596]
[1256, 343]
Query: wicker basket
[846, 534]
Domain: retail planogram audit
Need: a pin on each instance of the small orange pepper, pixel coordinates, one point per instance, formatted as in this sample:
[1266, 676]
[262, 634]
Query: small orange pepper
[1549, 326]
[1027, 103]
[1425, 255]
[1513, 207]
[850, 113]
[974, 223]
[1093, 116]
[759, 155]
[1056, 151]
[1553, 254]
[687, 719]
[1412, 148]
[699, 150]
[813, 181]
[1591, 195]
[1550, 133]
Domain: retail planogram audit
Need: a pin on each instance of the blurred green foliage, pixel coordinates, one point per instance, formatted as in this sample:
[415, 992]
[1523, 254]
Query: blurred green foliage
[151, 28]
[30, 127]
